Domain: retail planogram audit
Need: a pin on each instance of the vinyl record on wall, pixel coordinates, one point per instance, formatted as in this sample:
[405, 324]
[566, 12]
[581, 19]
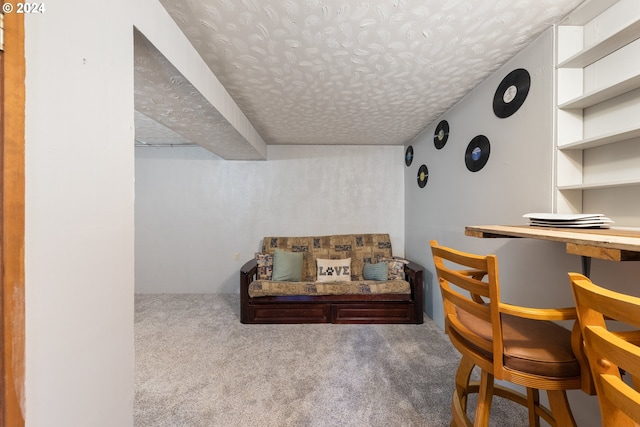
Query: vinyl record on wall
[408, 156]
[423, 176]
[477, 153]
[441, 134]
[511, 93]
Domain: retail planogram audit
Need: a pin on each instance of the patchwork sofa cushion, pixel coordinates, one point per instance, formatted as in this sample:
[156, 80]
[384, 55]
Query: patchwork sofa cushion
[395, 268]
[265, 266]
[263, 288]
[360, 248]
[334, 270]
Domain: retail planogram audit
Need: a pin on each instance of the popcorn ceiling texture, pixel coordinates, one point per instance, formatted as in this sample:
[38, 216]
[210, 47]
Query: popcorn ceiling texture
[163, 95]
[365, 72]
[150, 132]
[335, 71]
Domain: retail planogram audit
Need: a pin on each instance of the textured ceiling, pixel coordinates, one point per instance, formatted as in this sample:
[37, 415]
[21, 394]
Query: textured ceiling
[356, 72]
[164, 96]
[152, 133]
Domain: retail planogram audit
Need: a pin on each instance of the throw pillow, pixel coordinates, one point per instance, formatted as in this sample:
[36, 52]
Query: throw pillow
[265, 266]
[334, 270]
[287, 266]
[396, 267]
[379, 271]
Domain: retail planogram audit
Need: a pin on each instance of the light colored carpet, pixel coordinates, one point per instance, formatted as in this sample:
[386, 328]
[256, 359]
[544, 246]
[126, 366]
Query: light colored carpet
[197, 365]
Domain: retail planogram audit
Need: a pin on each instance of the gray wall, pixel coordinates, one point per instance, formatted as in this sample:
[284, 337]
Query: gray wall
[517, 179]
[194, 212]
[79, 215]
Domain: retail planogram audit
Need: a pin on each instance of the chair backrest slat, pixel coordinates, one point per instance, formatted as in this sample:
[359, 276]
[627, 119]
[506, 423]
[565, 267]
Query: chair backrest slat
[482, 311]
[468, 283]
[469, 260]
[610, 351]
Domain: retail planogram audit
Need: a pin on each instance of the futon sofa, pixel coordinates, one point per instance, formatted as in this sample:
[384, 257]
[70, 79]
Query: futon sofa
[330, 279]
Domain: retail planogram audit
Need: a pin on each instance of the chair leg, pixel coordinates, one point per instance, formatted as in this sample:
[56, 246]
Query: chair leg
[533, 401]
[462, 381]
[460, 394]
[460, 419]
[485, 395]
[560, 408]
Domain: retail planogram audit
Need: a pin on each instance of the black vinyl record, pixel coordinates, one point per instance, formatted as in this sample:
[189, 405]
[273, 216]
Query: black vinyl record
[511, 93]
[477, 153]
[423, 176]
[408, 156]
[441, 134]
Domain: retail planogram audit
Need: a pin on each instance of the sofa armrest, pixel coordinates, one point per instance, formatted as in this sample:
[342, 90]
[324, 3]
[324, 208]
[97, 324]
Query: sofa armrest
[414, 275]
[248, 274]
[250, 268]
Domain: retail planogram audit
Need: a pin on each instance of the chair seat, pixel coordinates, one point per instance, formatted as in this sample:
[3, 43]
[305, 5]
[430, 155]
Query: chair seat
[532, 346]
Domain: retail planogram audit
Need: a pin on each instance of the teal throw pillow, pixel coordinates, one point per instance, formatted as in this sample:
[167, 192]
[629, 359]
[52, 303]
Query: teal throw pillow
[287, 266]
[379, 271]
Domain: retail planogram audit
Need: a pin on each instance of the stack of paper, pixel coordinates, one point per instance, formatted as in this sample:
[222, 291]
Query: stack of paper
[568, 220]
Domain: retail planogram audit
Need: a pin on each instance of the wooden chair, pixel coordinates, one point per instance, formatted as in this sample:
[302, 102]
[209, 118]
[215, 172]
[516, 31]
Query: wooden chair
[609, 351]
[517, 344]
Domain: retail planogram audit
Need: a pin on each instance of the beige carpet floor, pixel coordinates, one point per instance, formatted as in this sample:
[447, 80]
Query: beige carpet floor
[197, 365]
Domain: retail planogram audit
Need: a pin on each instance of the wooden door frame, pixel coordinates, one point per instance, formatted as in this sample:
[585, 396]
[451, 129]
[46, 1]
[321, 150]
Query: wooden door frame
[12, 278]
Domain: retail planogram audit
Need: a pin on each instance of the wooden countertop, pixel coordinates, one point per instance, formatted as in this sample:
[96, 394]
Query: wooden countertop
[610, 244]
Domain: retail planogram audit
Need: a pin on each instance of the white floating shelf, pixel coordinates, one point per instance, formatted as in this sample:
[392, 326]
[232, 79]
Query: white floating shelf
[598, 185]
[587, 11]
[603, 94]
[604, 47]
[599, 140]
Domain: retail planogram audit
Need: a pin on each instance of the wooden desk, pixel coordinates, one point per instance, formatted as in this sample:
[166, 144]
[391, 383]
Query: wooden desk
[610, 244]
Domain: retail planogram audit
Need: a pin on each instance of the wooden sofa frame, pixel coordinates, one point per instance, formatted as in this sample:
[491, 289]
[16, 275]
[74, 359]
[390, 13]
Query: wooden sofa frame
[369, 308]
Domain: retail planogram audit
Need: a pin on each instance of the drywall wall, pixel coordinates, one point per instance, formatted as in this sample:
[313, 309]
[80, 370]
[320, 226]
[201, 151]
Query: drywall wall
[194, 212]
[79, 215]
[518, 178]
